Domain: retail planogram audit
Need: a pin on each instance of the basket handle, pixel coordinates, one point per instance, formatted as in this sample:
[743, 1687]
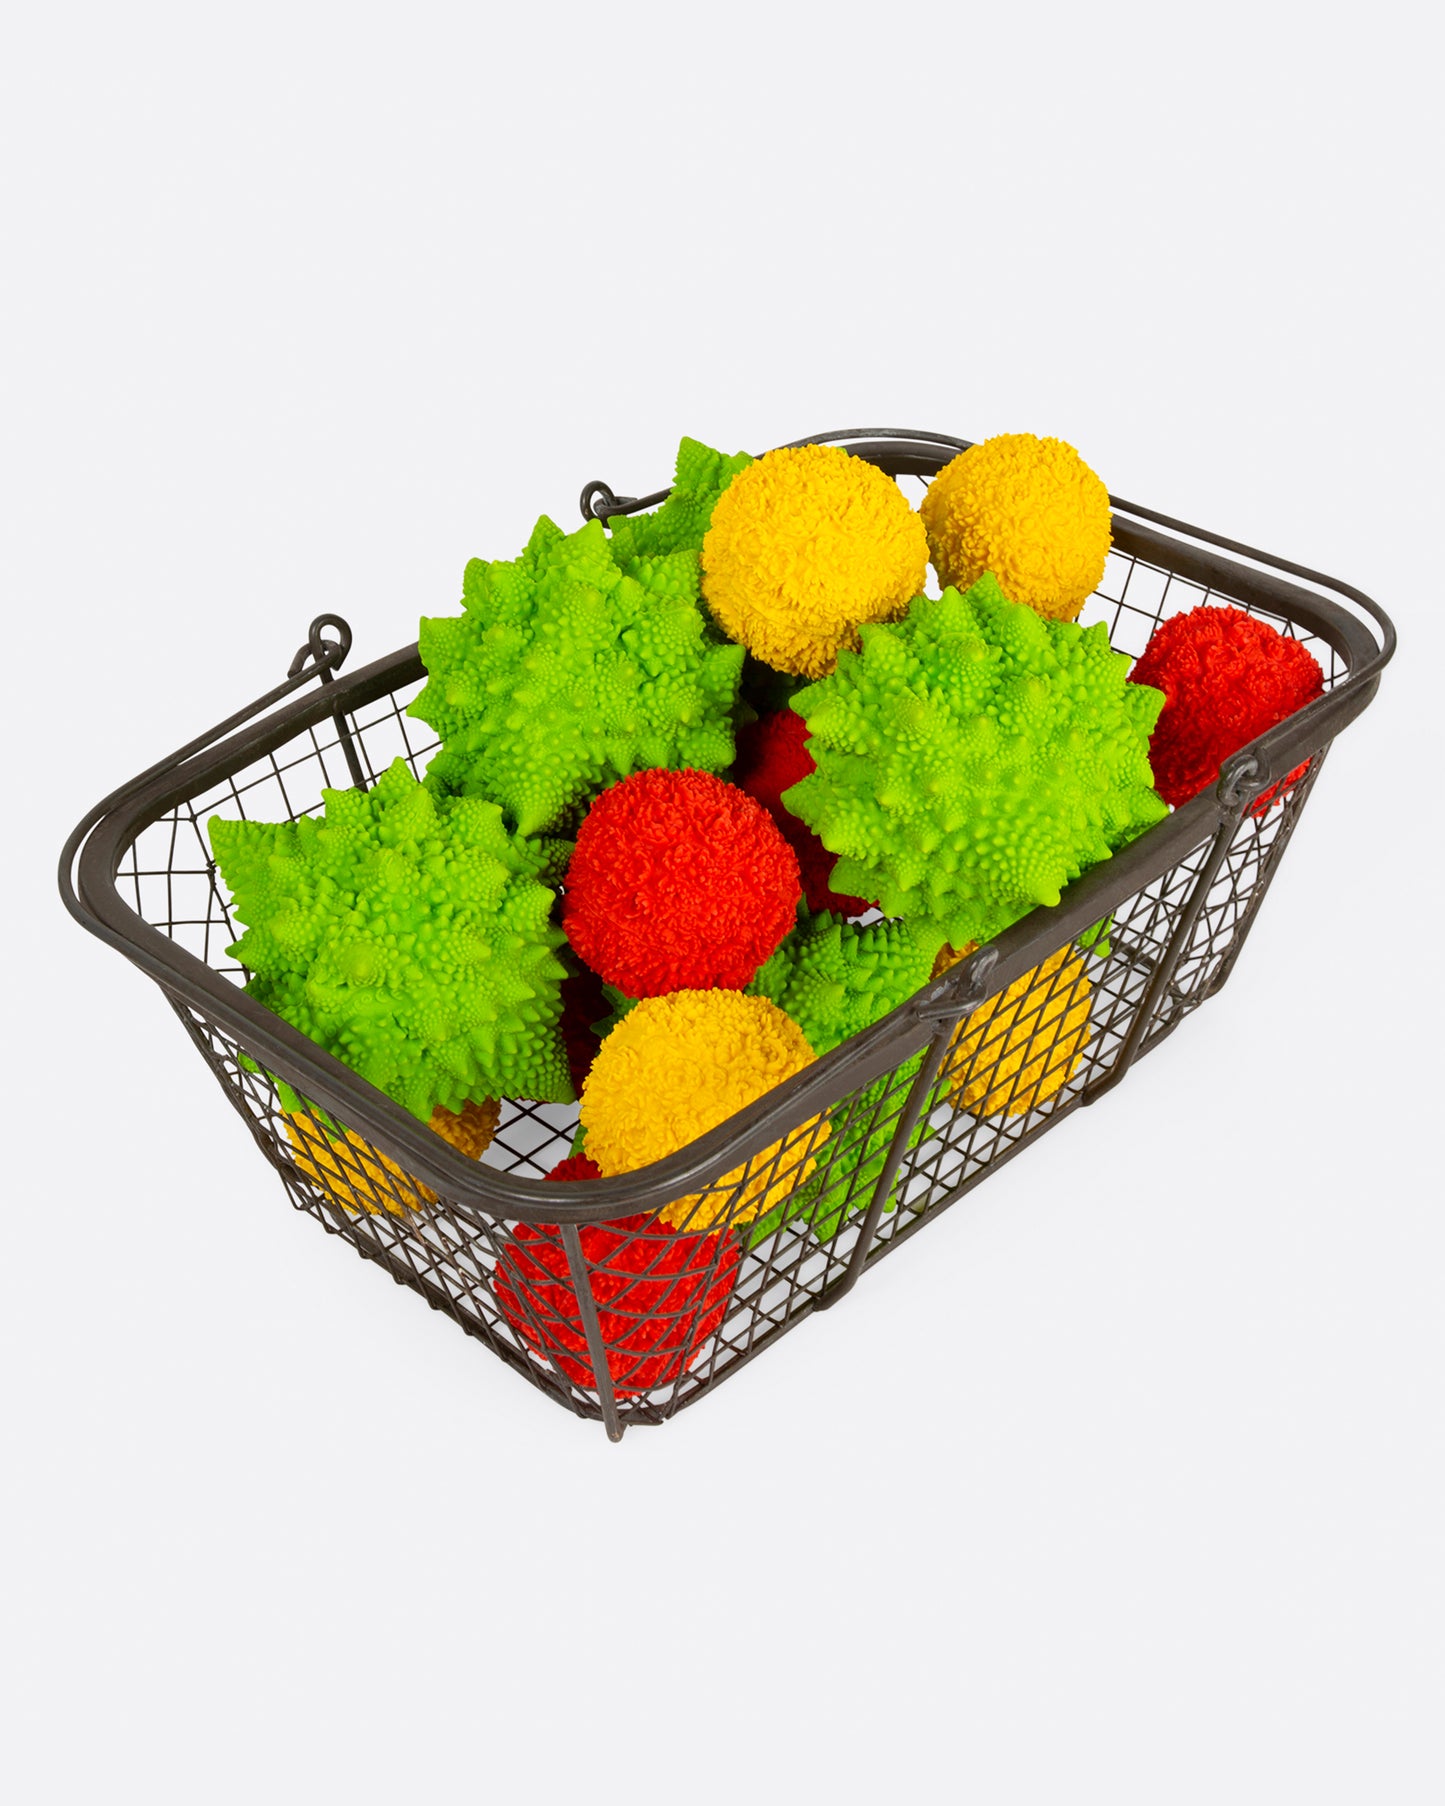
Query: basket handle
[318, 657]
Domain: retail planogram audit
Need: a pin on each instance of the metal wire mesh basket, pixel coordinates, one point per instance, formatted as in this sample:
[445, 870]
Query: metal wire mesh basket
[573, 1286]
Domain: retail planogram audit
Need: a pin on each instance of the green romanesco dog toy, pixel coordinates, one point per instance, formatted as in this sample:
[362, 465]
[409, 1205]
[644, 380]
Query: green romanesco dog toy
[682, 521]
[972, 760]
[409, 936]
[582, 661]
[835, 978]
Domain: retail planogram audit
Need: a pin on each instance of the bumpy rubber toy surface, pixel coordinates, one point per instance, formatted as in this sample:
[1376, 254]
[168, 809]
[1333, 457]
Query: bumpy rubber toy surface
[675, 1067]
[564, 673]
[773, 756]
[1226, 678]
[409, 937]
[1023, 1045]
[351, 1172]
[680, 524]
[472, 1129]
[359, 1177]
[836, 979]
[1028, 509]
[804, 546]
[679, 882]
[974, 759]
[660, 1294]
[575, 1166]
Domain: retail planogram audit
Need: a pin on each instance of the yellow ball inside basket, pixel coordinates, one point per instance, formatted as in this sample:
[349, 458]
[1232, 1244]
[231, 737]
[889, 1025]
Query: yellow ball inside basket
[1028, 509]
[677, 1066]
[1017, 1049]
[805, 545]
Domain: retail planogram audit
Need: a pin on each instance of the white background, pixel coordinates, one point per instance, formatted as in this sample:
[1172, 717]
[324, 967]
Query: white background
[1125, 1483]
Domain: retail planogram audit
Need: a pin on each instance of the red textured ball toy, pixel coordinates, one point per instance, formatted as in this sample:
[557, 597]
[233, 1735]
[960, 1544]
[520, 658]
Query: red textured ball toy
[1226, 677]
[660, 1294]
[773, 755]
[680, 882]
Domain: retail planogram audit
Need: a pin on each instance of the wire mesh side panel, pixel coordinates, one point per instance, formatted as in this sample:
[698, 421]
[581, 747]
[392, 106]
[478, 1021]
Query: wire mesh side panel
[659, 1283]
[676, 1299]
[1234, 897]
[335, 1174]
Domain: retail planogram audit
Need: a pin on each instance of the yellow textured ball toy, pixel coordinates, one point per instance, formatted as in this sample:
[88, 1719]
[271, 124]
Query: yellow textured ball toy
[1031, 511]
[677, 1066]
[1022, 1045]
[805, 545]
[352, 1173]
[359, 1177]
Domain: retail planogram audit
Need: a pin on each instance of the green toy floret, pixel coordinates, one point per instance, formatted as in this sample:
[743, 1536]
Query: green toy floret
[972, 760]
[682, 521]
[408, 935]
[835, 978]
[565, 673]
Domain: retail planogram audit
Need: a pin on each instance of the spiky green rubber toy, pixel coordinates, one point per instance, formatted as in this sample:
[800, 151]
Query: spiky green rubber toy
[835, 979]
[565, 673]
[408, 936]
[972, 760]
[681, 523]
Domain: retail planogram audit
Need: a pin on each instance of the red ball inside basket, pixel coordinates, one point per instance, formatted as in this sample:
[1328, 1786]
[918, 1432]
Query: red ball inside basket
[660, 1293]
[1226, 678]
[679, 882]
[773, 756]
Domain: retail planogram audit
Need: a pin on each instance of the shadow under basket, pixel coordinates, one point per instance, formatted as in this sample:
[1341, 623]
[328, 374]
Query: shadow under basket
[575, 1286]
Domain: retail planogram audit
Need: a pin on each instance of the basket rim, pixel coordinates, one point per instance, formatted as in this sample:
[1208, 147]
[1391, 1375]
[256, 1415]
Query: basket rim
[484, 1193]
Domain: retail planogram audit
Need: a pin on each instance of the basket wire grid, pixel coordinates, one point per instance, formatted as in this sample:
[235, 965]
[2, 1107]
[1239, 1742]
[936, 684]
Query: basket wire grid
[629, 1326]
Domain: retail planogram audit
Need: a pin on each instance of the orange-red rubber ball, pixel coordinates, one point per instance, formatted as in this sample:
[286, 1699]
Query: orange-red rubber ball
[1226, 678]
[659, 1294]
[679, 882]
[773, 756]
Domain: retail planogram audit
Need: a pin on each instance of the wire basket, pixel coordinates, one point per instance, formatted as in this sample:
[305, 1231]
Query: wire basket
[575, 1286]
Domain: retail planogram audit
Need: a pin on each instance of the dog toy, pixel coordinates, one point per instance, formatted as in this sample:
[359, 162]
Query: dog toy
[1028, 509]
[682, 521]
[1226, 678]
[659, 1294]
[972, 760]
[772, 756]
[678, 882]
[804, 545]
[675, 1067]
[359, 1177]
[1024, 1044]
[836, 979]
[408, 936]
[563, 673]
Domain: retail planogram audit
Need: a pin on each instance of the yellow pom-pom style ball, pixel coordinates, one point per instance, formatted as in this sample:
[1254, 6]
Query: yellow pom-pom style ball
[806, 544]
[1031, 511]
[359, 1177]
[470, 1129]
[677, 1066]
[1021, 1046]
[352, 1173]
